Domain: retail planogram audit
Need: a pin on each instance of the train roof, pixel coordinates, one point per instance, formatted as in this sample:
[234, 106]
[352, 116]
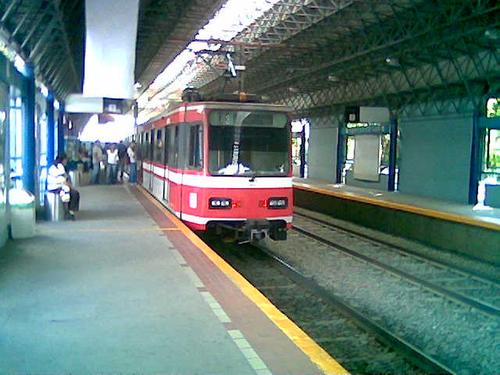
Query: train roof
[202, 105]
[233, 106]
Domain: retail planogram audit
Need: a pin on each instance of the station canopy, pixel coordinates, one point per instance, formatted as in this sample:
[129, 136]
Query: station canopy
[313, 55]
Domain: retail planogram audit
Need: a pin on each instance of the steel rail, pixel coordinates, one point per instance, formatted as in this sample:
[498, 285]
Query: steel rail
[399, 344]
[462, 270]
[481, 306]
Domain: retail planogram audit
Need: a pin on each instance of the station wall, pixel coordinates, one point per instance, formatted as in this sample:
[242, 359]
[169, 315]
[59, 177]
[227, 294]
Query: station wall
[322, 156]
[381, 184]
[4, 161]
[435, 157]
[6, 74]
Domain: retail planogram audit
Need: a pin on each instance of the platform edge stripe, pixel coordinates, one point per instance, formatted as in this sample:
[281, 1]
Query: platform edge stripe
[305, 343]
[402, 207]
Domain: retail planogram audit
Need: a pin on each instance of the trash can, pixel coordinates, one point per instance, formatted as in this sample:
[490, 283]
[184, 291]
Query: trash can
[54, 207]
[22, 213]
[74, 177]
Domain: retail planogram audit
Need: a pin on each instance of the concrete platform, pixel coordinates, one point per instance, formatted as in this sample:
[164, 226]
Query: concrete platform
[124, 290]
[462, 228]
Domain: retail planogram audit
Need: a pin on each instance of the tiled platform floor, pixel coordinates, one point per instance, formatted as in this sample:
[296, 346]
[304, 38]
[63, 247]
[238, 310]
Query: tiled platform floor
[110, 293]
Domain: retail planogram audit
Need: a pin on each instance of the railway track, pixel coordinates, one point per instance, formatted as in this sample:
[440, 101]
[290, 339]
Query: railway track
[359, 343]
[441, 311]
[438, 277]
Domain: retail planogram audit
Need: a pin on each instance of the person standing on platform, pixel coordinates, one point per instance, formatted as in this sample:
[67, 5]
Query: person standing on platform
[122, 156]
[132, 163]
[96, 161]
[112, 163]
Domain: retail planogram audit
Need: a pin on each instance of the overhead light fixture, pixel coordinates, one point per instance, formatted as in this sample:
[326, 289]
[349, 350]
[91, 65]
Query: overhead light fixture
[492, 34]
[293, 89]
[19, 64]
[333, 78]
[392, 61]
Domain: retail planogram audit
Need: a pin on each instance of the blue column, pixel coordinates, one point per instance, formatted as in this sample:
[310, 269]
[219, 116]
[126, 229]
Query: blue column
[475, 159]
[341, 145]
[29, 146]
[50, 129]
[303, 151]
[391, 186]
[60, 130]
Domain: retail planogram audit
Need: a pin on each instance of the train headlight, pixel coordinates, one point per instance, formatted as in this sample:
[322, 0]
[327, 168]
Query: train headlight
[276, 203]
[219, 203]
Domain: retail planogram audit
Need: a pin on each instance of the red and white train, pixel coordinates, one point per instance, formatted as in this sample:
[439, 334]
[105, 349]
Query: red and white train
[223, 166]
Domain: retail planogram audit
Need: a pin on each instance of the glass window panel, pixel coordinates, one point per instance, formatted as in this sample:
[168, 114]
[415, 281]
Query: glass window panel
[249, 143]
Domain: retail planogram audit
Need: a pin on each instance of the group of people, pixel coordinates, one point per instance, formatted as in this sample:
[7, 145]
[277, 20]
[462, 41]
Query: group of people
[115, 160]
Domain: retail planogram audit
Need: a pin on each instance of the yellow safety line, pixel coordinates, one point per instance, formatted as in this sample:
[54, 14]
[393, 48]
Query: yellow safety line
[317, 355]
[156, 229]
[401, 207]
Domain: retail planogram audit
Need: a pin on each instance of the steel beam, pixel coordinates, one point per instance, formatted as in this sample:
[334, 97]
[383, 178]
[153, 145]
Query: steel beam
[20, 24]
[34, 27]
[9, 10]
[66, 43]
[47, 33]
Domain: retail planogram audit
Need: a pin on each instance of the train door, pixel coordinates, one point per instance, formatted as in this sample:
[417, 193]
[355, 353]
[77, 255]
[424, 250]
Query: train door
[146, 161]
[150, 146]
[166, 151]
[139, 157]
[159, 165]
[175, 185]
[194, 164]
[182, 162]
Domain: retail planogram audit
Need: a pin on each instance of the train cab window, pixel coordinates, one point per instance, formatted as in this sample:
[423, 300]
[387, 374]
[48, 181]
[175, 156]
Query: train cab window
[251, 143]
[158, 146]
[195, 148]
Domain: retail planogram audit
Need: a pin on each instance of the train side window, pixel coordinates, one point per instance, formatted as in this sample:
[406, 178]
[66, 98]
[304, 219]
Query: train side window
[145, 146]
[158, 147]
[173, 147]
[151, 145]
[195, 147]
[166, 146]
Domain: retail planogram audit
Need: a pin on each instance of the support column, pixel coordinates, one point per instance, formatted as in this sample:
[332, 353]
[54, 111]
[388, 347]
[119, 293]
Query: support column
[303, 151]
[475, 159]
[341, 146]
[60, 130]
[29, 145]
[391, 186]
[50, 129]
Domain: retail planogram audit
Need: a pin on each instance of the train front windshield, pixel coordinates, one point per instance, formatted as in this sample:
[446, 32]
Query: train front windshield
[249, 143]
